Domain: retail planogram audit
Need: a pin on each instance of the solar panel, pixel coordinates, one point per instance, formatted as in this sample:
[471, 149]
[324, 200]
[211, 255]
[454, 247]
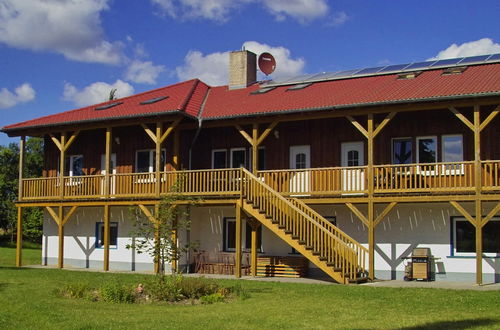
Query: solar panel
[396, 67]
[370, 70]
[474, 59]
[419, 65]
[494, 57]
[107, 106]
[449, 61]
[339, 74]
[153, 100]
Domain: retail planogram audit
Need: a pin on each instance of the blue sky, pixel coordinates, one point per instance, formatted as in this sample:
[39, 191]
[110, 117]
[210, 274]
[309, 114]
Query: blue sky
[58, 55]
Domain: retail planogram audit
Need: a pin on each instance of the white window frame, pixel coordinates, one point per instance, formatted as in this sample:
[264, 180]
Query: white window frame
[244, 225]
[231, 151]
[98, 238]
[213, 158]
[152, 153]
[452, 170]
[454, 237]
[428, 172]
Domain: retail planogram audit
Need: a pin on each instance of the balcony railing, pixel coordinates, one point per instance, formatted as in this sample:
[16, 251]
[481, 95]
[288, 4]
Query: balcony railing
[435, 178]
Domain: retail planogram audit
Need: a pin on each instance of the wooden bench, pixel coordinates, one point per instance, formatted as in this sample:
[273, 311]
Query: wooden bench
[278, 266]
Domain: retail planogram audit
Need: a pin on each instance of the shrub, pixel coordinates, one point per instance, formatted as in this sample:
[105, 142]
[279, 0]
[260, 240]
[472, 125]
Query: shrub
[164, 288]
[75, 290]
[116, 293]
[195, 288]
[212, 298]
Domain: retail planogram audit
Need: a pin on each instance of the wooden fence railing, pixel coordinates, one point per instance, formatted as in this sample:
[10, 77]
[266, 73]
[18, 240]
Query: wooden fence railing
[335, 181]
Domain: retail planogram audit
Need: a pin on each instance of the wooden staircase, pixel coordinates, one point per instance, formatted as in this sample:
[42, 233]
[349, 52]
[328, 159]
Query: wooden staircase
[325, 245]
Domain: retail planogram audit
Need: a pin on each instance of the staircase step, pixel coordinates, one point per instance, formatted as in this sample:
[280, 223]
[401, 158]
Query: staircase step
[288, 232]
[308, 247]
[323, 258]
[316, 253]
[358, 280]
[281, 227]
[295, 237]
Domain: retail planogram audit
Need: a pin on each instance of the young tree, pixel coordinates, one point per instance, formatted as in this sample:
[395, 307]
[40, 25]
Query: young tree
[155, 235]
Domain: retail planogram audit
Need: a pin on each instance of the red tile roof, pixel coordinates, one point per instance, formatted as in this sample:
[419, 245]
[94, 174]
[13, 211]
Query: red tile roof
[194, 97]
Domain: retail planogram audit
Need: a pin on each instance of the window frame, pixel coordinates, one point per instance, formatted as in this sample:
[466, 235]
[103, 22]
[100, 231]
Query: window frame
[152, 163]
[213, 158]
[418, 139]
[244, 227]
[98, 239]
[408, 138]
[231, 151]
[452, 169]
[453, 239]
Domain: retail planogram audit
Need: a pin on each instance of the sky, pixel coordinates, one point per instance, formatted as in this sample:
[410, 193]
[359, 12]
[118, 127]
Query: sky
[58, 55]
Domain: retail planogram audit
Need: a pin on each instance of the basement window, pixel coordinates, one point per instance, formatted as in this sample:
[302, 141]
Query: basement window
[262, 90]
[113, 235]
[454, 70]
[107, 106]
[408, 75]
[464, 237]
[299, 86]
[153, 100]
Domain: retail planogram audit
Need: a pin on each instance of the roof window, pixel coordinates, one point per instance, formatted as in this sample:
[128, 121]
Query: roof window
[262, 90]
[153, 100]
[454, 70]
[107, 106]
[299, 86]
[409, 75]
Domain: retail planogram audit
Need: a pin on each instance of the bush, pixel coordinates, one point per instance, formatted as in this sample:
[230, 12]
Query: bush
[195, 288]
[212, 298]
[116, 293]
[75, 290]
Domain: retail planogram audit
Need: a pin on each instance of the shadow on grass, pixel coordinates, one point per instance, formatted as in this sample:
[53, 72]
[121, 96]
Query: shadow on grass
[461, 324]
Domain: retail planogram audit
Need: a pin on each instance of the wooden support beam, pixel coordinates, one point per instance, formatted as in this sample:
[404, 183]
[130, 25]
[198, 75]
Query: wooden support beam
[174, 263]
[22, 149]
[491, 116]
[490, 215]
[477, 151]
[19, 237]
[244, 134]
[384, 213]
[62, 162]
[462, 118]
[357, 125]
[266, 132]
[371, 241]
[56, 142]
[147, 213]
[106, 238]
[254, 249]
[53, 214]
[60, 234]
[70, 213]
[158, 158]
[149, 132]
[237, 270]
[169, 130]
[71, 140]
[383, 123]
[357, 213]
[463, 212]
[255, 154]
[107, 163]
[479, 244]
[158, 267]
[175, 156]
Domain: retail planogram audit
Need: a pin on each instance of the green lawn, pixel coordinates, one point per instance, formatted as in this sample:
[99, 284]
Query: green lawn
[27, 301]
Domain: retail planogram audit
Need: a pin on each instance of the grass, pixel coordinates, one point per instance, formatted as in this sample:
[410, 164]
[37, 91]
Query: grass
[28, 301]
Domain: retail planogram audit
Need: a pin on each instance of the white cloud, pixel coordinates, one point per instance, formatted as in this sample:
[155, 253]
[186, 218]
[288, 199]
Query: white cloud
[220, 10]
[97, 92]
[22, 94]
[472, 48]
[301, 10]
[213, 68]
[69, 27]
[338, 18]
[143, 72]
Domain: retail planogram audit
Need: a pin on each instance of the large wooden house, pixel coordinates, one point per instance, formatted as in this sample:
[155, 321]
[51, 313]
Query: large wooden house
[352, 170]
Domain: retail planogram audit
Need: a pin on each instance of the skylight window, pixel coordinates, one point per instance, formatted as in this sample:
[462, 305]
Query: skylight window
[454, 70]
[263, 90]
[107, 106]
[153, 100]
[409, 75]
[299, 86]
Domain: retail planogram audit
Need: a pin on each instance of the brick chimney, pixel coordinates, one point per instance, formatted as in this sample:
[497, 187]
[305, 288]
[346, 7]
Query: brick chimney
[242, 69]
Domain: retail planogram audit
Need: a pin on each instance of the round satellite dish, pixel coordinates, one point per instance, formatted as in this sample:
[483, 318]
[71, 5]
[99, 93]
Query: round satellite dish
[267, 63]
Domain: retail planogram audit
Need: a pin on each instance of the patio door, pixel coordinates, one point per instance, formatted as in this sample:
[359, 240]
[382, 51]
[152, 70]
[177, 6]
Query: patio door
[353, 155]
[112, 189]
[300, 158]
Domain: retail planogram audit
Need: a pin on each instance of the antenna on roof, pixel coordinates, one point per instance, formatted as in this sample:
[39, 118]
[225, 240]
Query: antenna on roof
[112, 94]
[267, 63]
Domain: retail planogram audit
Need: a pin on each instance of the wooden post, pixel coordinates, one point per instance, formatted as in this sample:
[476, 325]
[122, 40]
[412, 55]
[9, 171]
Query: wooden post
[107, 165]
[22, 143]
[175, 262]
[479, 244]
[255, 145]
[106, 238]
[175, 156]
[371, 241]
[237, 270]
[60, 258]
[158, 158]
[478, 181]
[62, 156]
[254, 249]
[371, 224]
[157, 240]
[19, 238]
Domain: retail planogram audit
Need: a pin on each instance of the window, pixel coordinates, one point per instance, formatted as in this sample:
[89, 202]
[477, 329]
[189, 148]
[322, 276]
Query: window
[229, 235]
[464, 237]
[73, 165]
[427, 149]
[145, 160]
[219, 158]
[238, 157]
[452, 146]
[300, 161]
[353, 158]
[402, 151]
[99, 235]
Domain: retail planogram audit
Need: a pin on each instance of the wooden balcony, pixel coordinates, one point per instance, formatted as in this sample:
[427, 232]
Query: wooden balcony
[437, 178]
